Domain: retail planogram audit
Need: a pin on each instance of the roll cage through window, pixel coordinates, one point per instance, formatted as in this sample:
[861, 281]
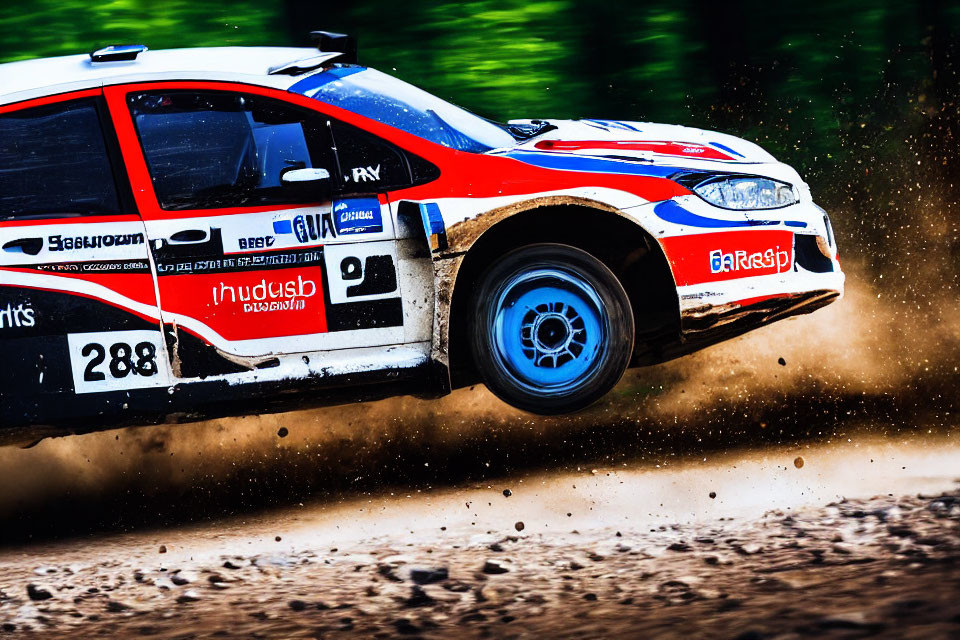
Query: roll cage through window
[217, 149]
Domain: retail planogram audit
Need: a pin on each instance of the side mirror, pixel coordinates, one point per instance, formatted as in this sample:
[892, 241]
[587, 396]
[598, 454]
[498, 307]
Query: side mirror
[311, 184]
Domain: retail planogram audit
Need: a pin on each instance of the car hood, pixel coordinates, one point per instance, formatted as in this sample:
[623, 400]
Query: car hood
[641, 141]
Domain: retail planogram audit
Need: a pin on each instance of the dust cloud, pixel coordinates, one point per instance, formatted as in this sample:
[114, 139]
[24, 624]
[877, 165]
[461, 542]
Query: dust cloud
[861, 345]
[876, 353]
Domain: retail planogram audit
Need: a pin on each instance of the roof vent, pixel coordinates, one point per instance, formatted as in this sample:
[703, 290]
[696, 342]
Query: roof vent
[330, 42]
[117, 53]
[303, 65]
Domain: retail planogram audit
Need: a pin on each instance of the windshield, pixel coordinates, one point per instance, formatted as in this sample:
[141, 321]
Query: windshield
[394, 102]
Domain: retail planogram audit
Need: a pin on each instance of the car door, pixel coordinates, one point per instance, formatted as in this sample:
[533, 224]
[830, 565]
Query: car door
[78, 311]
[250, 266]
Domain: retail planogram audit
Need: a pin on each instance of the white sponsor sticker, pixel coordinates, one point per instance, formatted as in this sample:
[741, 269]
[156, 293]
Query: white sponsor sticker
[117, 360]
[73, 243]
[362, 271]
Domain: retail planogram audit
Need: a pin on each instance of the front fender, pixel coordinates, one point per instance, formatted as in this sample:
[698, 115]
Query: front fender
[452, 235]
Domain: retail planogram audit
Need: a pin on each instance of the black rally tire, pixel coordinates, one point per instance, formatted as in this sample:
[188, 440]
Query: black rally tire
[551, 328]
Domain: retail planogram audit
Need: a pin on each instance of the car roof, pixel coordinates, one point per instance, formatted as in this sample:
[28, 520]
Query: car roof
[48, 76]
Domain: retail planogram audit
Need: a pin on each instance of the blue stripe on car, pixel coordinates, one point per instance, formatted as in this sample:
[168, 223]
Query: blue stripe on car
[724, 147]
[310, 84]
[671, 212]
[612, 124]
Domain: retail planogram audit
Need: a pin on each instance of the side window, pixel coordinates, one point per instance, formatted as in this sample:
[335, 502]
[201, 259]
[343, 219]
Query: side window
[219, 149]
[367, 163]
[53, 161]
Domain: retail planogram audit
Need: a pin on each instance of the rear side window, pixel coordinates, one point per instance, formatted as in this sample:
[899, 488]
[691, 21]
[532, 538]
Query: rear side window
[367, 164]
[219, 149]
[53, 161]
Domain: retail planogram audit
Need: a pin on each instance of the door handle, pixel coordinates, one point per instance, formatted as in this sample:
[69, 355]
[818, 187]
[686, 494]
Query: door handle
[188, 236]
[29, 246]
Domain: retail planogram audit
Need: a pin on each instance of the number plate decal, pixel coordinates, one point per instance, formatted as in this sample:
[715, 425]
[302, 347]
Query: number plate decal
[117, 360]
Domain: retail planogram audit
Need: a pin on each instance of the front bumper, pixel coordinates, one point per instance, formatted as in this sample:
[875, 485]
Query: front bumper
[703, 328]
[740, 270]
[708, 305]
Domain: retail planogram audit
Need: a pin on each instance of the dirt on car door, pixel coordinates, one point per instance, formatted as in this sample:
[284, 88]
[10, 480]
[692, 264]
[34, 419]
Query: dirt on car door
[248, 268]
[79, 320]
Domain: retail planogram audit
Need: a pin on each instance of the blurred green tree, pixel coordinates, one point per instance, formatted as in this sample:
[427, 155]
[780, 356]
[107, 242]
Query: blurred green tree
[60, 27]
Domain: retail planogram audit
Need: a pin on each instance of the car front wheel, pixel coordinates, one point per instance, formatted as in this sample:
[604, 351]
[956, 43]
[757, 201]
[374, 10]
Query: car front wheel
[552, 329]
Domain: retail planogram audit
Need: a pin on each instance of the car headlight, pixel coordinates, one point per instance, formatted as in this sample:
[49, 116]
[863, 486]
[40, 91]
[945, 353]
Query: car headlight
[740, 192]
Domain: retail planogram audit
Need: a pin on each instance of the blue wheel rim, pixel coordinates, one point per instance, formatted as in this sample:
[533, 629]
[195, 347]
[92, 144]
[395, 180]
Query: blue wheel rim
[549, 330]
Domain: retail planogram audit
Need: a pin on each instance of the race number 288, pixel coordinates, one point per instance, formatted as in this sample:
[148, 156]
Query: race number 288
[122, 363]
[116, 360]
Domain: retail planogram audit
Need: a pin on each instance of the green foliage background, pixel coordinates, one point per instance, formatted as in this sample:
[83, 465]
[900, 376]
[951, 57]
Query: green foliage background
[860, 96]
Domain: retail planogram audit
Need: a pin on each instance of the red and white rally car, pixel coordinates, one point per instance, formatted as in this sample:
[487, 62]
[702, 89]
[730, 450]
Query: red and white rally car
[206, 232]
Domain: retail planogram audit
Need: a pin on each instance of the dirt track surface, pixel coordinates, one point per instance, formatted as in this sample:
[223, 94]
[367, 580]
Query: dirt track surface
[665, 551]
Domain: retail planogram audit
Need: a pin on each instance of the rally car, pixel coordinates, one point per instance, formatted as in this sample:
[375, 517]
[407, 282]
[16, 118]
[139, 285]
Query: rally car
[207, 232]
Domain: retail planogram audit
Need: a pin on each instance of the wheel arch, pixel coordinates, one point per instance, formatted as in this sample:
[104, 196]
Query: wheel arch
[621, 243]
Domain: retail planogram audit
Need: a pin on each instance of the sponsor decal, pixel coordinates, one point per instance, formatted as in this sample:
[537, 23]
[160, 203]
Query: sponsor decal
[263, 242]
[21, 315]
[308, 227]
[376, 276]
[361, 272]
[126, 266]
[290, 295]
[361, 215]
[258, 261]
[275, 305]
[738, 260]
[313, 226]
[362, 174]
[72, 243]
[250, 304]
[728, 255]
